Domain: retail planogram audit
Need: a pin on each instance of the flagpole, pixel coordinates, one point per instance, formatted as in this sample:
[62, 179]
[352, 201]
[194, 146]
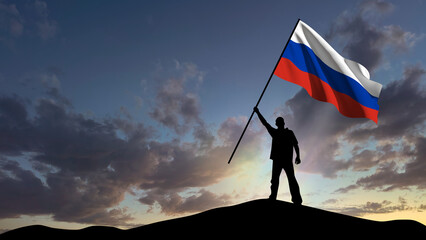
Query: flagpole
[261, 95]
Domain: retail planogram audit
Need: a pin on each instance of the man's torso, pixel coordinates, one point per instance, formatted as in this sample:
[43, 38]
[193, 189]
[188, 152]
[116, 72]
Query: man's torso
[283, 141]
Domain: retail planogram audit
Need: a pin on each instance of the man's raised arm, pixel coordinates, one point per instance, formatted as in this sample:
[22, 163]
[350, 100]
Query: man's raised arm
[262, 119]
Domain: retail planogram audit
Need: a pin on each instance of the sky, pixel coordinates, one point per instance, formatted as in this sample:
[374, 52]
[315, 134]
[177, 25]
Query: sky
[124, 113]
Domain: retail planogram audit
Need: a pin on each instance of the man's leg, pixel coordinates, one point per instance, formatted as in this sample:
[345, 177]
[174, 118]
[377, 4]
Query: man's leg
[294, 186]
[275, 180]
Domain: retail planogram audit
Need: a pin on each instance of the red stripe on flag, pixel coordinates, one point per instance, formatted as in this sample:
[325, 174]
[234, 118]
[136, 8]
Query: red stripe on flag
[322, 91]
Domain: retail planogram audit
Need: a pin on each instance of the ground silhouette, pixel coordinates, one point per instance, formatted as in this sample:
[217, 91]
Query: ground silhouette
[257, 218]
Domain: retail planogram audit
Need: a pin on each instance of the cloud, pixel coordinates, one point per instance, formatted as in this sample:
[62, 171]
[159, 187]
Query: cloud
[346, 189]
[31, 19]
[179, 166]
[172, 203]
[330, 201]
[46, 27]
[52, 85]
[393, 148]
[175, 107]
[78, 169]
[401, 146]
[21, 192]
[398, 145]
[72, 154]
[399, 103]
[11, 21]
[389, 176]
[14, 126]
[318, 139]
[191, 165]
[86, 167]
[11, 24]
[184, 165]
[66, 196]
[364, 41]
[376, 208]
[372, 7]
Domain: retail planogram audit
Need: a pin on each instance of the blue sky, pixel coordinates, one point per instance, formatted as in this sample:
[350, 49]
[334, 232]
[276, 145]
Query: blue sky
[136, 107]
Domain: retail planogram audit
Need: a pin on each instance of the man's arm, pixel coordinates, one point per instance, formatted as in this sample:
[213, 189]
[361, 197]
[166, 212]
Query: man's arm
[262, 120]
[296, 148]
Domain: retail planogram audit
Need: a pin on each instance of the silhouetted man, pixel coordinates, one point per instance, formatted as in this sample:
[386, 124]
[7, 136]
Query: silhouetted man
[283, 142]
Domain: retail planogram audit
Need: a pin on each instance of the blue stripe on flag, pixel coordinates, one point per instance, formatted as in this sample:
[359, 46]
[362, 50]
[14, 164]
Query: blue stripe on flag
[306, 60]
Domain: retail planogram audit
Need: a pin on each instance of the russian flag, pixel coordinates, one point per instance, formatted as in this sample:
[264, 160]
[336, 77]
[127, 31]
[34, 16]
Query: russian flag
[310, 62]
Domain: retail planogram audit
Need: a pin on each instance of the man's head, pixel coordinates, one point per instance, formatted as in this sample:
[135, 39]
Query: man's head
[279, 122]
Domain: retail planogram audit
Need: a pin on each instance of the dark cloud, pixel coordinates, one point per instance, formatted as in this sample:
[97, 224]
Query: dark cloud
[399, 103]
[401, 150]
[78, 169]
[86, 166]
[365, 42]
[14, 126]
[72, 153]
[391, 176]
[21, 191]
[399, 146]
[366, 159]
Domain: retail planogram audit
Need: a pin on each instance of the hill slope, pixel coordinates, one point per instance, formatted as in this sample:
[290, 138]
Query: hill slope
[258, 218]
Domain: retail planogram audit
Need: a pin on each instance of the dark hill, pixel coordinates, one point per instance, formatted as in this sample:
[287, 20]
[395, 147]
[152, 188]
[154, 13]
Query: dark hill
[258, 218]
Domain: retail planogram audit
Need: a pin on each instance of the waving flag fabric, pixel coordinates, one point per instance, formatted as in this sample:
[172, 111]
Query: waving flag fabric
[310, 62]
